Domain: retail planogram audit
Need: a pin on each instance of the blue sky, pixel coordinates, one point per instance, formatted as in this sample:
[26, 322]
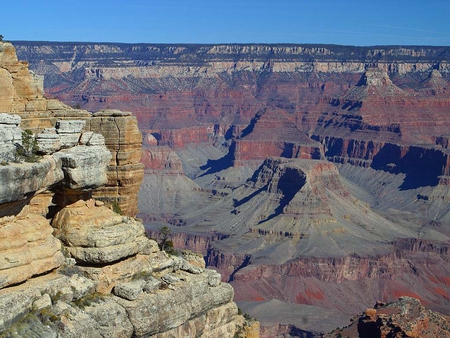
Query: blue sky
[348, 22]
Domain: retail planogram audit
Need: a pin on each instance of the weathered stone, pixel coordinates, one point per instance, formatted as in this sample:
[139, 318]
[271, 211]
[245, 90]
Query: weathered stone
[69, 140]
[70, 126]
[125, 173]
[84, 167]
[149, 318]
[97, 234]
[107, 254]
[48, 141]
[10, 133]
[8, 92]
[108, 276]
[7, 54]
[214, 278]
[194, 258]
[170, 279]
[56, 105]
[81, 286]
[111, 318]
[9, 119]
[43, 302]
[27, 248]
[92, 139]
[19, 180]
[130, 290]
[10, 137]
[36, 105]
[151, 284]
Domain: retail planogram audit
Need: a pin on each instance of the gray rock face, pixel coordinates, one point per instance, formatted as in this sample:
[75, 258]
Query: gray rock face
[70, 126]
[111, 319]
[69, 140]
[130, 290]
[151, 285]
[9, 119]
[51, 140]
[19, 179]
[84, 167]
[69, 132]
[189, 298]
[48, 141]
[10, 134]
[92, 139]
[78, 167]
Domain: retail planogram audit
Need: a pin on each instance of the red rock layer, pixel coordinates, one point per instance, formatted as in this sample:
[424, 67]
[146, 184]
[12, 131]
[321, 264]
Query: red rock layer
[272, 132]
[417, 269]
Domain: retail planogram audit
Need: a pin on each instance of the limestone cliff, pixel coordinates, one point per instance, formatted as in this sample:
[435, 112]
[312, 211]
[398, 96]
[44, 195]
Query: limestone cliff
[69, 265]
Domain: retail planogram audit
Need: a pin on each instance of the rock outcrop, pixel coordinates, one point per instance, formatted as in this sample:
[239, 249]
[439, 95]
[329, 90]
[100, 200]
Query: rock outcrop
[405, 317]
[69, 265]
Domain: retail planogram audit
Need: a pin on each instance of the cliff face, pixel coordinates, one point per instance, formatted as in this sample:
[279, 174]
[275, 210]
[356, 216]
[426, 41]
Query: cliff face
[190, 93]
[69, 265]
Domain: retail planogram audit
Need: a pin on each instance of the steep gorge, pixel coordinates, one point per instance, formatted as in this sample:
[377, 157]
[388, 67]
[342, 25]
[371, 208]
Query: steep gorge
[297, 229]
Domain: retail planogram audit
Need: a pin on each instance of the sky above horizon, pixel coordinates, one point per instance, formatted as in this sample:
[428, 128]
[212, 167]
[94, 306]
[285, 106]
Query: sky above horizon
[345, 22]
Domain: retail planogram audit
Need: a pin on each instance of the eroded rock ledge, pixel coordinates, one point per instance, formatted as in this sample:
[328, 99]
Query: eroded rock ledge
[140, 295]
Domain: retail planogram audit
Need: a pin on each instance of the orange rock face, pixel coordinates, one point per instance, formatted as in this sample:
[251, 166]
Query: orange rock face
[27, 248]
[125, 173]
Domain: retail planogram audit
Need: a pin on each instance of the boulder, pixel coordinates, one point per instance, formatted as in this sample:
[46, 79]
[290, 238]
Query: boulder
[130, 290]
[84, 167]
[96, 234]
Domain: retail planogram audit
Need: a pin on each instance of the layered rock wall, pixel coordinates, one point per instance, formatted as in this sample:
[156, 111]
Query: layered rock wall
[40, 115]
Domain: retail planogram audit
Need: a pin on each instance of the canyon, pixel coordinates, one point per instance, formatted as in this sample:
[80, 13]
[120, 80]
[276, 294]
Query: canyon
[74, 260]
[314, 178]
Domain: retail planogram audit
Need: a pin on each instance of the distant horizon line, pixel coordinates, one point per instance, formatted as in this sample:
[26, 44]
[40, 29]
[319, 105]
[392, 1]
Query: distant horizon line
[226, 44]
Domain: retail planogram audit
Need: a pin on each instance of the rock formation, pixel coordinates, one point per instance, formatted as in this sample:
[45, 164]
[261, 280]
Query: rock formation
[300, 231]
[71, 266]
[405, 317]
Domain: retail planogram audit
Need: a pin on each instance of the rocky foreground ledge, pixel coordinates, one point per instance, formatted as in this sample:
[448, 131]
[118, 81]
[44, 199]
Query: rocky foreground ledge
[144, 292]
